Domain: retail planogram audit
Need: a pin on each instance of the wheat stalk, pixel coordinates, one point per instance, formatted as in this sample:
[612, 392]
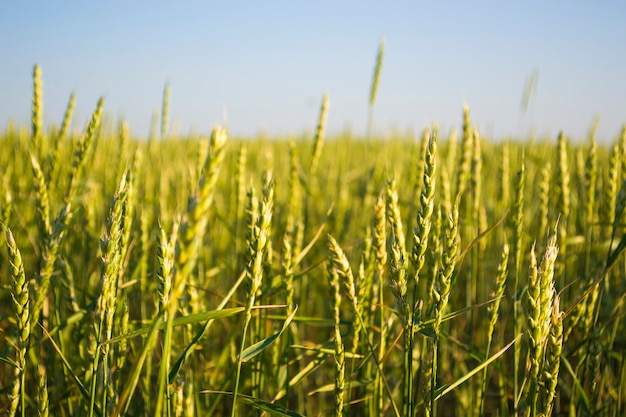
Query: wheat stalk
[41, 200]
[494, 311]
[379, 249]
[105, 308]
[441, 293]
[50, 250]
[544, 199]
[518, 248]
[190, 237]
[259, 224]
[564, 197]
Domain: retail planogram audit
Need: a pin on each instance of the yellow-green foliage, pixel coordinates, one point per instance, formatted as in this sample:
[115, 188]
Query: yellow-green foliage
[120, 238]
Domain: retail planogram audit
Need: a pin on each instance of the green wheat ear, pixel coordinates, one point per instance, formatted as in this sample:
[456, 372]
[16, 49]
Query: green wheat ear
[421, 231]
[444, 277]
[53, 156]
[539, 303]
[20, 296]
[553, 356]
[318, 142]
[338, 270]
[193, 228]
[37, 111]
[42, 388]
[67, 117]
[51, 247]
[374, 86]
[397, 251]
[377, 70]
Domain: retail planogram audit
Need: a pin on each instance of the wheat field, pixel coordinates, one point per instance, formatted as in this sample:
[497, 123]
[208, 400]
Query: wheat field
[439, 275]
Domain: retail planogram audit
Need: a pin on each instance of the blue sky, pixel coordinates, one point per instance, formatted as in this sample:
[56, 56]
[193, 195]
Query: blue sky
[266, 64]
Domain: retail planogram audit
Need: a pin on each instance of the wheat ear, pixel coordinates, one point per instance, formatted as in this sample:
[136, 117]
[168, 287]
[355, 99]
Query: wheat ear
[539, 301]
[37, 112]
[20, 297]
[553, 357]
[340, 366]
[320, 132]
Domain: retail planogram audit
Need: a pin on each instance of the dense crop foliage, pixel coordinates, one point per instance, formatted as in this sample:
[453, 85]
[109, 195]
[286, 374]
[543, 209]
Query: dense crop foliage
[317, 276]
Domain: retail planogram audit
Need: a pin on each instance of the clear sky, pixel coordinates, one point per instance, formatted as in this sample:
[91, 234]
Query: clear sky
[266, 64]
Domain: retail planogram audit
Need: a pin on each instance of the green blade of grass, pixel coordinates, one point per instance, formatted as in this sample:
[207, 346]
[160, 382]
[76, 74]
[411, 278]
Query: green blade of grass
[578, 386]
[253, 350]
[259, 404]
[66, 363]
[331, 387]
[133, 378]
[180, 321]
[306, 371]
[9, 361]
[73, 319]
[440, 392]
[328, 351]
[310, 320]
[425, 326]
[183, 357]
